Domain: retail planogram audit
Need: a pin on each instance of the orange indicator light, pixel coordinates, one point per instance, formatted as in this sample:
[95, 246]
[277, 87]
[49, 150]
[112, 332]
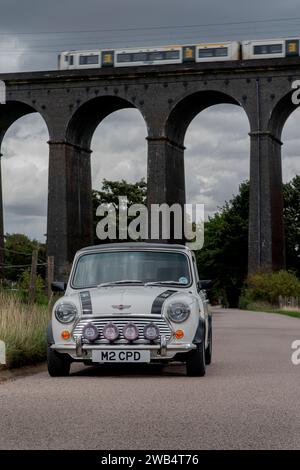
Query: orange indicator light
[65, 334]
[179, 334]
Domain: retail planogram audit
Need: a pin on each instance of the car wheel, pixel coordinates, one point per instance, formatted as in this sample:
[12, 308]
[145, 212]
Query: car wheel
[195, 364]
[58, 364]
[208, 350]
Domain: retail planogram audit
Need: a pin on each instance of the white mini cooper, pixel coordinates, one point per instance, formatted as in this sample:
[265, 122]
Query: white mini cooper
[131, 302]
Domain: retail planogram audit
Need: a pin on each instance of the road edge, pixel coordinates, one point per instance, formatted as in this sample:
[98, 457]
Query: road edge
[13, 374]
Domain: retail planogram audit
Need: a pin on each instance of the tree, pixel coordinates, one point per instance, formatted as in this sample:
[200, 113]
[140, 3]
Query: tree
[291, 196]
[110, 192]
[18, 251]
[223, 257]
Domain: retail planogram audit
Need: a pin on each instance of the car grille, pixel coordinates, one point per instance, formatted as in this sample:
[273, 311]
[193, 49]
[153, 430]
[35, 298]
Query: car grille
[139, 322]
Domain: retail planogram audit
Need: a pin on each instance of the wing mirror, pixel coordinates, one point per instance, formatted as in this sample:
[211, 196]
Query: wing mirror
[205, 284]
[58, 286]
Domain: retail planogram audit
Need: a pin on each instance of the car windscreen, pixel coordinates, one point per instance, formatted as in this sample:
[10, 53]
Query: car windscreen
[93, 269]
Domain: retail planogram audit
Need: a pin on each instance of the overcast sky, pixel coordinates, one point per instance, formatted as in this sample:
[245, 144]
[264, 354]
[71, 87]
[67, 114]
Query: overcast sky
[32, 32]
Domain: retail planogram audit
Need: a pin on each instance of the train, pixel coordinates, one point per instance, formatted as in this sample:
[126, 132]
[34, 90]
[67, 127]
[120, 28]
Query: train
[204, 52]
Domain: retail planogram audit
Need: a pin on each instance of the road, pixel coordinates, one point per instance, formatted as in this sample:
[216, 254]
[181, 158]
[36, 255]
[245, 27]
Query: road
[249, 398]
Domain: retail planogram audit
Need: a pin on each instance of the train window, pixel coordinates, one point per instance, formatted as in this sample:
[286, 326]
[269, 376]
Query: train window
[124, 57]
[156, 56]
[172, 55]
[139, 57]
[71, 60]
[88, 59]
[268, 49]
[213, 52]
[221, 52]
[206, 53]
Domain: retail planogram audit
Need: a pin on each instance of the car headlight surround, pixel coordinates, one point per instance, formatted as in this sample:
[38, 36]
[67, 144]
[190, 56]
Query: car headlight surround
[65, 312]
[178, 312]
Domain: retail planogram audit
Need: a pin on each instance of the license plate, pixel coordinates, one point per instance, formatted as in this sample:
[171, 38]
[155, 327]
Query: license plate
[120, 356]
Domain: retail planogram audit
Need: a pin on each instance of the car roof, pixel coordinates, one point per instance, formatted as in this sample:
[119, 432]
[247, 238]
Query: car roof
[134, 245]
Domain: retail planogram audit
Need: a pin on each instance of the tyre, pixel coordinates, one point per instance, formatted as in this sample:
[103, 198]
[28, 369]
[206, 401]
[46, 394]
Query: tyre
[58, 364]
[195, 364]
[208, 350]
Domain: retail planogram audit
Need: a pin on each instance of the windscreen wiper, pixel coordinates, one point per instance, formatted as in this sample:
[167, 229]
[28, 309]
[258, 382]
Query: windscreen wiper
[157, 283]
[123, 281]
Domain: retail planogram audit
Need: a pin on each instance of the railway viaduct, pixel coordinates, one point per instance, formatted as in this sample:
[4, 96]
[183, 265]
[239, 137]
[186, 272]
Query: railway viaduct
[73, 103]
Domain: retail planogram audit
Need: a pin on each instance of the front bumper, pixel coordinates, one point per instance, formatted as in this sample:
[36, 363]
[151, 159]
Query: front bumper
[158, 352]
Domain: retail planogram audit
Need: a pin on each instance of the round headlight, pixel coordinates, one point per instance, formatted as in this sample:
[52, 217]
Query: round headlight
[65, 312]
[111, 332]
[178, 312]
[151, 332]
[90, 332]
[130, 332]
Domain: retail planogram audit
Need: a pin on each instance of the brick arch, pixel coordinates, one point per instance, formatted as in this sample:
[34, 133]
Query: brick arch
[189, 106]
[11, 111]
[281, 111]
[88, 116]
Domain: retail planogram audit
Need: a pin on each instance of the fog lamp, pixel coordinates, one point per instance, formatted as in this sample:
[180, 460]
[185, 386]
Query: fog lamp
[151, 332]
[130, 332]
[90, 332]
[111, 332]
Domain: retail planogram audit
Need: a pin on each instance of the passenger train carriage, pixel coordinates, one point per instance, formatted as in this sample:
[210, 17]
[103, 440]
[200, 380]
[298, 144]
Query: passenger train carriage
[204, 52]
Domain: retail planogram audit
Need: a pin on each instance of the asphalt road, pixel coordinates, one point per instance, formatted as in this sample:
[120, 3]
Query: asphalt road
[249, 399]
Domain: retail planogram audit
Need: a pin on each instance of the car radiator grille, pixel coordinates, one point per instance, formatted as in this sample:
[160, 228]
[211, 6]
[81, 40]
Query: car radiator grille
[139, 322]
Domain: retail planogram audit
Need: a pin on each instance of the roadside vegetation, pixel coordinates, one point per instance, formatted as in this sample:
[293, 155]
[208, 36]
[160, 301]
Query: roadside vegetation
[224, 256]
[263, 290]
[23, 329]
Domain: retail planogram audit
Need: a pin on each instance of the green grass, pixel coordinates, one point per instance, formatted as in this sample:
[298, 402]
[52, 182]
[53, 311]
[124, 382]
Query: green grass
[23, 329]
[265, 307]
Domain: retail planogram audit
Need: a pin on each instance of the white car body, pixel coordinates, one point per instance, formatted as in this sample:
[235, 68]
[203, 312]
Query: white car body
[137, 304]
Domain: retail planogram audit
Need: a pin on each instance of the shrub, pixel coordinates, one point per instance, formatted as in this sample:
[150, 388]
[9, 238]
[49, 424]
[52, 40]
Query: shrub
[23, 286]
[267, 287]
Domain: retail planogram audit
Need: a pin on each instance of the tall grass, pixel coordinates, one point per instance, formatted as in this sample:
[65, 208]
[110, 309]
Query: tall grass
[23, 329]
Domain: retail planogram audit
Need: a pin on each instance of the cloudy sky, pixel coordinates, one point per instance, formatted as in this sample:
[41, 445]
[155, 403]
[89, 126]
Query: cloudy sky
[32, 32]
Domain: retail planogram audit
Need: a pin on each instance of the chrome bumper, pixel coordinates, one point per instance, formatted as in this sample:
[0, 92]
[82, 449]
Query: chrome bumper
[163, 350]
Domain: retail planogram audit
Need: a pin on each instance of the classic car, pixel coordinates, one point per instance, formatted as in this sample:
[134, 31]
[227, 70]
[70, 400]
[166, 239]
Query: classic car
[131, 303]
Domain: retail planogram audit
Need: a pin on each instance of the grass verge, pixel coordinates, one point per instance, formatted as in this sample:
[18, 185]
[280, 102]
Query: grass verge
[23, 329]
[265, 307]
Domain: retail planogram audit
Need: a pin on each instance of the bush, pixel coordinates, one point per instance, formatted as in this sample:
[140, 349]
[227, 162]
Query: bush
[23, 329]
[23, 286]
[267, 287]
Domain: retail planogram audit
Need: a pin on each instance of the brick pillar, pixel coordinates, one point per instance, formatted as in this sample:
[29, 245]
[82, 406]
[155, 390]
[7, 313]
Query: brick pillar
[266, 230]
[69, 204]
[165, 175]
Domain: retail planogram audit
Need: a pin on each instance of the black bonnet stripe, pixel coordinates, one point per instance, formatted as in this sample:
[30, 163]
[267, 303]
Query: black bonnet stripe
[86, 303]
[159, 301]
